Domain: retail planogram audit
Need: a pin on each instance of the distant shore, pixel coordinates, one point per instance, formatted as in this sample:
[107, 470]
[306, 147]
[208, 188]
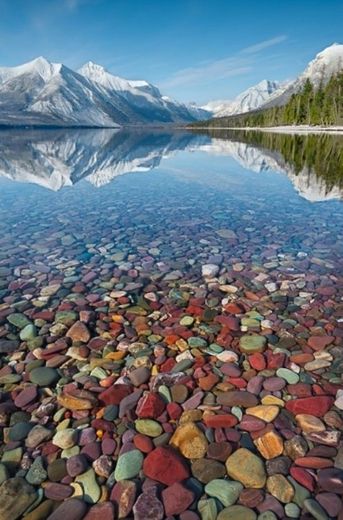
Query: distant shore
[300, 129]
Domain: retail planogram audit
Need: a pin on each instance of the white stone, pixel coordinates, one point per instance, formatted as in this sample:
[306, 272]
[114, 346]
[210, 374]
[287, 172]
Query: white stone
[210, 270]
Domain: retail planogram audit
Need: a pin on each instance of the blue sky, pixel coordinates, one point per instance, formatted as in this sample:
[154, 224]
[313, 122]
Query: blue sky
[194, 50]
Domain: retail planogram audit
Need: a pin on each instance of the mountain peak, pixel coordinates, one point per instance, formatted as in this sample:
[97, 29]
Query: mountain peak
[327, 62]
[90, 66]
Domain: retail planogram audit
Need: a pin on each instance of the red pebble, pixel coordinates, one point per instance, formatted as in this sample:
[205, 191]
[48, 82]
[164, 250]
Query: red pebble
[228, 321]
[303, 477]
[167, 365]
[143, 443]
[275, 360]
[174, 410]
[257, 361]
[314, 462]
[165, 465]
[317, 405]
[220, 421]
[150, 406]
[320, 342]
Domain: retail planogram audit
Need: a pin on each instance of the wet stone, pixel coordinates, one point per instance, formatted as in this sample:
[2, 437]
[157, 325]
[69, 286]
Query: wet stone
[123, 495]
[226, 491]
[128, 465]
[247, 468]
[73, 509]
[16, 495]
[148, 506]
[43, 376]
[206, 470]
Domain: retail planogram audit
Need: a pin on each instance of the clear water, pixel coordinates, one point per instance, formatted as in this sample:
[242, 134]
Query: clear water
[88, 195]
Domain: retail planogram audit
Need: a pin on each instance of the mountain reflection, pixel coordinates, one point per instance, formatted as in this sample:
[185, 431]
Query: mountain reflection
[58, 158]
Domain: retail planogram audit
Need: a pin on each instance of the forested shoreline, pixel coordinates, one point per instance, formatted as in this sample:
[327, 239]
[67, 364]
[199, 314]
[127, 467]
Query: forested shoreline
[310, 106]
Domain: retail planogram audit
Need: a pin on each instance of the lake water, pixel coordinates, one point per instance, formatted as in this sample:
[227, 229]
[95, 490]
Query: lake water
[178, 244]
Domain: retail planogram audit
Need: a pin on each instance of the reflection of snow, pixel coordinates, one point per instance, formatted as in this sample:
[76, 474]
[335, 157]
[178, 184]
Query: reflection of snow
[55, 159]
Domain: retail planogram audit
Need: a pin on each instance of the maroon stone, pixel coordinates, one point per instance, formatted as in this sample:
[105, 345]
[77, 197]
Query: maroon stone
[25, 397]
[176, 499]
[148, 506]
[114, 394]
[165, 465]
[123, 495]
[331, 480]
[103, 511]
[57, 492]
[72, 509]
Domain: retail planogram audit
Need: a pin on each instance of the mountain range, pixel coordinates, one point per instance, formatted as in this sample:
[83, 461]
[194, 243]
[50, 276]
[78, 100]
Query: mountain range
[41, 93]
[267, 93]
[58, 158]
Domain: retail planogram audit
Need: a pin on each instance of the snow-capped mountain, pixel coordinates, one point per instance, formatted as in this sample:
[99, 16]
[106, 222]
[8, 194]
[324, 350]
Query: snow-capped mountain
[44, 93]
[274, 93]
[250, 99]
[326, 63]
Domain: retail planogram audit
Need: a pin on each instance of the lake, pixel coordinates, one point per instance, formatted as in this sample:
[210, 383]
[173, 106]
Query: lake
[202, 269]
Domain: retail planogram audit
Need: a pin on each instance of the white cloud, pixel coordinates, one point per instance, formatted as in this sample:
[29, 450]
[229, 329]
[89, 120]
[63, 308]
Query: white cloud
[264, 45]
[236, 65]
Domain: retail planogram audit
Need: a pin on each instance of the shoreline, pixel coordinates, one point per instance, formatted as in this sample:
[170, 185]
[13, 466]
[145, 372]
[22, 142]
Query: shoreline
[301, 129]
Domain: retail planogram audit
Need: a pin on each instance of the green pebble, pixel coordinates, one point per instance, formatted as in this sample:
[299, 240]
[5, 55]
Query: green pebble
[207, 509]
[183, 365]
[28, 333]
[12, 457]
[217, 349]
[254, 343]
[19, 431]
[187, 321]
[250, 323]
[291, 377]
[99, 373]
[165, 393]
[128, 465]
[148, 427]
[44, 376]
[237, 513]
[292, 510]
[91, 489]
[196, 342]
[300, 492]
[226, 491]
[36, 474]
[10, 379]
[19, 320]
[66, 318]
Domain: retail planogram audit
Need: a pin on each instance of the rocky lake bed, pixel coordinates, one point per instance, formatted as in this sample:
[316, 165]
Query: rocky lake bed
[171, 346]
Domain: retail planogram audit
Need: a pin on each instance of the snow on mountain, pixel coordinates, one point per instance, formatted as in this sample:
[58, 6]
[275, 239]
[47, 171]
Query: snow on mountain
[250, 99]
[44, 93]
[273, 93]
[326, 63]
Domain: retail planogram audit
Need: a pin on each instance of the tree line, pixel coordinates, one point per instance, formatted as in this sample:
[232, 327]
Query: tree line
[309, 106]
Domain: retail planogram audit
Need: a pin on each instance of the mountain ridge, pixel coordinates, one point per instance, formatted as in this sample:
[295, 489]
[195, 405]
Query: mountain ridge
[42, 93]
